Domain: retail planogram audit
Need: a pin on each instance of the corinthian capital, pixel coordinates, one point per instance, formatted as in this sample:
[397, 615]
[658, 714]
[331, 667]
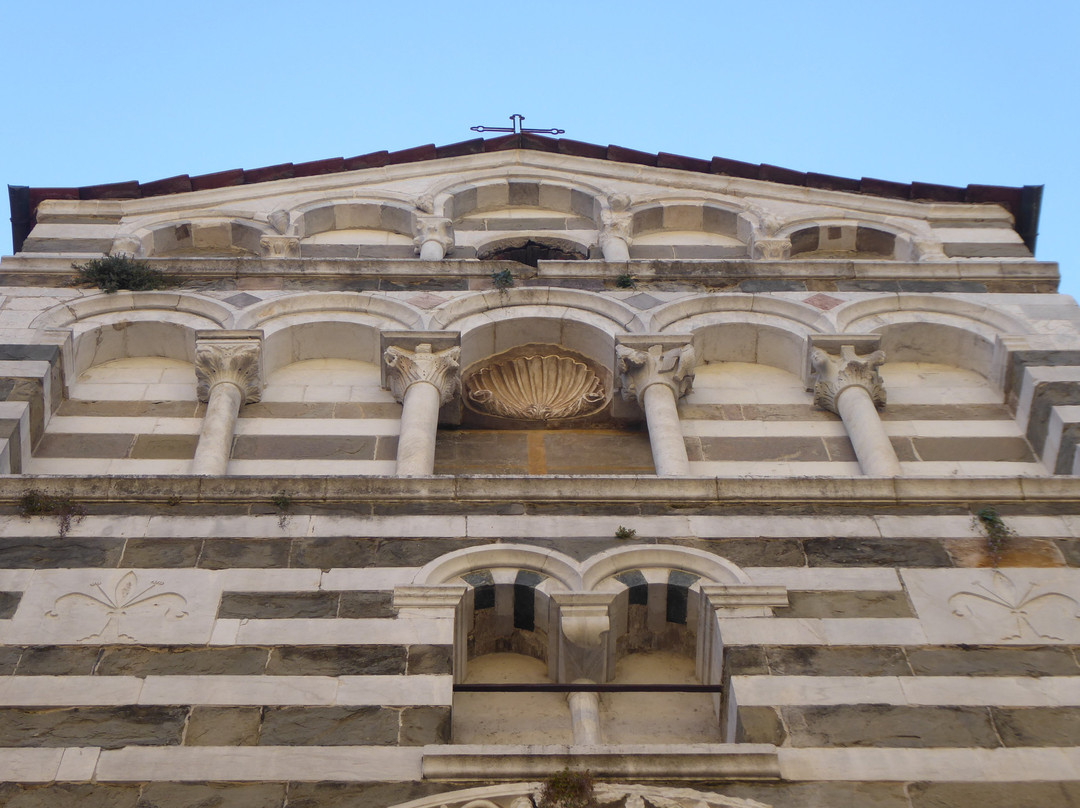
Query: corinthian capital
[280, 246]
[405, 368]
[771, 249]
[834, 374]
[641, 369]
[233, 357]
[434, 228]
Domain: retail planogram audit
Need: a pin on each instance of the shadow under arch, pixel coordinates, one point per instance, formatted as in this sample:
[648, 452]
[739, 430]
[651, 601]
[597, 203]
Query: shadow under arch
[325, 325]
[925, 328]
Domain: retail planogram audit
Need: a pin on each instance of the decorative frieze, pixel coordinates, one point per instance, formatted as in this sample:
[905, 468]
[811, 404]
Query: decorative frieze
[834, 374]
[441, 369]
[536, 388]
[229, 356]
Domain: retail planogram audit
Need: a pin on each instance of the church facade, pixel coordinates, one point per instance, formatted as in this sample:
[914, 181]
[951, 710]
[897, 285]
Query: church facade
[437, 478]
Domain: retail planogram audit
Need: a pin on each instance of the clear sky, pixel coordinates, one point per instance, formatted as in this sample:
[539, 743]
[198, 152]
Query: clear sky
[946, 92]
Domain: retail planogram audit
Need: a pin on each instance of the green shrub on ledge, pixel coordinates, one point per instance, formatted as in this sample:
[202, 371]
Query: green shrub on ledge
[113, 272]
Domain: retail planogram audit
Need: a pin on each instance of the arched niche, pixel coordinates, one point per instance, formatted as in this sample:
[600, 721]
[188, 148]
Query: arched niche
[210, 237]
[841, 239]
[523, 198]
[354, 228]
[686, 229]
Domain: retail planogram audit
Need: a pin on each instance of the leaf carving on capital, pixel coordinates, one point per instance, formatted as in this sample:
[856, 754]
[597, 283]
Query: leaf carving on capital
[280, 246]
[234, 361]
[834, 374]
[641, 369]
[772, 249]
[438, 368]
[434, 228]
[536, 388]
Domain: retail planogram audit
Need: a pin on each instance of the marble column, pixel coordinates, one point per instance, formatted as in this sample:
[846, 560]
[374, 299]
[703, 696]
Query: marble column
[851, 386]
[657, 379]
[422, 380]
[616, 226]
[585, 716]
[434, 237]
[229, 375]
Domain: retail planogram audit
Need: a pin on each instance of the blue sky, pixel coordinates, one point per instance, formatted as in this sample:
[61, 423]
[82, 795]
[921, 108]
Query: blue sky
[943, 92]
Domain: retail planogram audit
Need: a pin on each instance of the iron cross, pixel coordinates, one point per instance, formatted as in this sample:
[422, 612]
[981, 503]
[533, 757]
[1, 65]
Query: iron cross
[517, 128]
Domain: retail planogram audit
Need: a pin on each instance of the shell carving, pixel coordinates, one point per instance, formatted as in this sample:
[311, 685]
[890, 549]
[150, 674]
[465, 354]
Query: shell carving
[536, 388]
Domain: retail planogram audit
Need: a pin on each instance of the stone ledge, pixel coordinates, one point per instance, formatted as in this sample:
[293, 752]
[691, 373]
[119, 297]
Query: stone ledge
[166, 489]
[710, 762]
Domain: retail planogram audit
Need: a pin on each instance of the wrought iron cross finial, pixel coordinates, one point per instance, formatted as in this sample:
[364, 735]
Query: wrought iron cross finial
[517, 128]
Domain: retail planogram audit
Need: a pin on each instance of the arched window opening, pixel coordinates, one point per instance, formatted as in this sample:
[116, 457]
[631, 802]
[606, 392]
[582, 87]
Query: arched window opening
[531, 251]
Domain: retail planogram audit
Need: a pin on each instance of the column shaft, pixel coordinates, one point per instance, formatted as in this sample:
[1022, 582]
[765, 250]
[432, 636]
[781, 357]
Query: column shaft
[665, 432]
[419, 426]
[219, 424]
[432, 251]
[585, 718]
[864, 428]
[614, 249]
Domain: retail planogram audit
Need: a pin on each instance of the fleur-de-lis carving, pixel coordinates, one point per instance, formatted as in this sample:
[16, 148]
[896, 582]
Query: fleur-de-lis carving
[1023, 609]
[126, 596]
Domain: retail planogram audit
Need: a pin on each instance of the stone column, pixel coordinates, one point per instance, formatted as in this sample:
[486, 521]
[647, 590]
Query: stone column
[657, 379]
[434, 237]
[616, 225]
[422, 380]
[229, 374]
[850, 386]
[585, 716]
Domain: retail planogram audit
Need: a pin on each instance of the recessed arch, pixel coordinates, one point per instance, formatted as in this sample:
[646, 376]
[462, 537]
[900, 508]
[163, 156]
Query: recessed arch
[214, 236]
[451, 566]
[480, 194]
[713, 568]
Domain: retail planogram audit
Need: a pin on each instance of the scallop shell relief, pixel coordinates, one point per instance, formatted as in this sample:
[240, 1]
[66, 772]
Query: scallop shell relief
[536, 388]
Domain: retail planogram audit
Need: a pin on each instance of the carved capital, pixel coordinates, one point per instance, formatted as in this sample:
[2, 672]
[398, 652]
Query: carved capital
[834, 374]
[280, 246]
[233, 357]
[616, 224]
[771, 249]
[434, 228]
[641, 369]
[405, 368]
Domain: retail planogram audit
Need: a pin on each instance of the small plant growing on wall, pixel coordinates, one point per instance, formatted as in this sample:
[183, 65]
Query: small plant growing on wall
[568, 789]
[626, 281]
[283, 503]
[997, 532]
[625, 532]
[502, 280]
[113, 272]
[38, 503]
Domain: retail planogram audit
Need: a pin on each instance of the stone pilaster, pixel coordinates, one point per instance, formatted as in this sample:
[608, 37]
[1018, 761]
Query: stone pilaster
[422, 380]
[657, 379]
[434, 237]
[228, 369]
[850, 385]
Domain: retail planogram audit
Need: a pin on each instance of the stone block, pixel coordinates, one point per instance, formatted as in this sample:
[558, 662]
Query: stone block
[9, 601]
[223, 726]
[366, 604]
[219, 554]
[66, 795]
[352, 795]
[268, 605]
[109, 728]
[424, 725]
[760, 725]
[1017, 552]
[333, 660]
[140, 552]
[44, 553]
[430, 659]
[975, 661]
[135, 660]
[417, 552]
[994, 795]
[9, 659]
[1038, 726]
[817, 660]
[846, 604]
[880, 725]
[329, 726]
[329, 552]
[55, 444]
[760, 552]
[164, 447]
[314, 447]
[58, 660]
[842, 551]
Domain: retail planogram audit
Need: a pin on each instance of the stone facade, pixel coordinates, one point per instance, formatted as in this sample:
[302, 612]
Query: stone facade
[753, 491]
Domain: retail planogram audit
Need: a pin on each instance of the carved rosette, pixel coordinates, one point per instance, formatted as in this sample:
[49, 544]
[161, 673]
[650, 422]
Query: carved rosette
[641, 369]
[834, 374]
[434, 228]
[536, 388]
[235, 361]
[280, 246]
[441, 369]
